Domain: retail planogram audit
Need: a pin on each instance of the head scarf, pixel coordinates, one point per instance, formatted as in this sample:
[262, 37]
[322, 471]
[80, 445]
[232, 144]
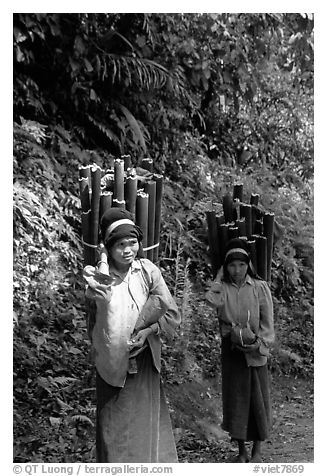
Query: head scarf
[117, 223]
[237, 249]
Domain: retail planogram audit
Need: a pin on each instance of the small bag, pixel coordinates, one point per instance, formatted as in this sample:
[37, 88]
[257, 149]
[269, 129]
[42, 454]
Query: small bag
[242, 335]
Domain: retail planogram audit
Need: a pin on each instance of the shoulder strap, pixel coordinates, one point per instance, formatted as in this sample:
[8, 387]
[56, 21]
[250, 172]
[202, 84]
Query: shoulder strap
[145, 275]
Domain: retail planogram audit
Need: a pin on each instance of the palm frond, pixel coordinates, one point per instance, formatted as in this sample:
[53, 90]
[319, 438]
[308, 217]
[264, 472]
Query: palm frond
[145, 72]
[134, 126]
[104, 129]
[147, 27]
[107, 39]
[125, 40]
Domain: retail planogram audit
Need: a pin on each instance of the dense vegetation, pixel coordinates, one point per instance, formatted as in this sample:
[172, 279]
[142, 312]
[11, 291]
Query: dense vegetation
[212, 98]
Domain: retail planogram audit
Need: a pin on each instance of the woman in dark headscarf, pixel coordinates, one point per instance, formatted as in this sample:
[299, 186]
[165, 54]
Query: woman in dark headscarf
[133, 307]
[245, 313]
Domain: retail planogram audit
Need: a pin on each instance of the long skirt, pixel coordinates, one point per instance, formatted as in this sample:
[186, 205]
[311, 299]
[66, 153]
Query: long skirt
[246, 396]
[133, 422]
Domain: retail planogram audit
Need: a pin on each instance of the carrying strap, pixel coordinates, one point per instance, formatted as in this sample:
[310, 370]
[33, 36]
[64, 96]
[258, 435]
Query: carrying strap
[145, 276]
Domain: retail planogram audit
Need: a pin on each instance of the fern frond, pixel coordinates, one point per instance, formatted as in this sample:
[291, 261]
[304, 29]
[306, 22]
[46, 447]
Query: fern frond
[179, 273]
[35, 129]
[183, 296]
[82, 419]
[186, 310]
[63, 381]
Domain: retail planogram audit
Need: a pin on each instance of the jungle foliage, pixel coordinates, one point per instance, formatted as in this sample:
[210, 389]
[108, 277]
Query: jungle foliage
[213, 99]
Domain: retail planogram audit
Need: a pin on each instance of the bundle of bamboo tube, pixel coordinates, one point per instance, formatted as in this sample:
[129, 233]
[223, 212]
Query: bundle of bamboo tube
[244, 220]
[137, 190]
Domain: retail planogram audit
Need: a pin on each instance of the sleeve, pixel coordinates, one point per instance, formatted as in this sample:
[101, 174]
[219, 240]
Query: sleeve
[98, 288]
[154, 308]
[98, 284]
[170, 318]
[266, 331]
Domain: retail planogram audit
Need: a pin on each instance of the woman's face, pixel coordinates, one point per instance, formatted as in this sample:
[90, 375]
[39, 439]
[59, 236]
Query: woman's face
[123, 252]
[237, 270]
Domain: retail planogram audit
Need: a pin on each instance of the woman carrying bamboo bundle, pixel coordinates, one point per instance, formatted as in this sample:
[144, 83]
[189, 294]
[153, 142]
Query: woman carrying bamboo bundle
[133, 422]
[245, 313]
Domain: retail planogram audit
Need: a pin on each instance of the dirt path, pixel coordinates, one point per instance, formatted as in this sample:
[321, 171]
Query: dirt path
[197, 415]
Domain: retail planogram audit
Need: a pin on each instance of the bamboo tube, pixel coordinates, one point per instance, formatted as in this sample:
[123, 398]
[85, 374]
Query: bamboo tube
[236, 209]
[84, 190]
[261, 246]
[228, 208]
[108, 181]
[130, 191]
[119, 180]
[85, 181]
[238, 191]
[223, 239]
[127, 161]
[220, 219]
[85, 217]
[253, 217]
[253, 253]
[89, 250]
[95, 204]
[213, 240]
[142, 205]
[85, 172]
[254, 200]
[245, 211]
[259, 212]
[268, 230]
[147, 164]
[159, 190]
[241, 226]
[150, 189]
[105, 202]
[118, 203]
[233, 232]
[258, 227]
